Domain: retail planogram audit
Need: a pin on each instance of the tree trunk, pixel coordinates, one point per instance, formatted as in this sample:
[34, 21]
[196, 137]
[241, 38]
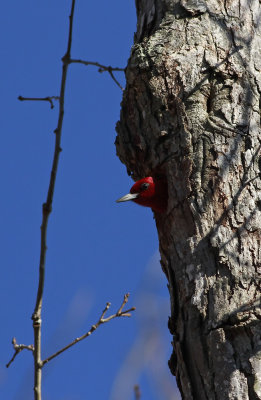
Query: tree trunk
[190, 115]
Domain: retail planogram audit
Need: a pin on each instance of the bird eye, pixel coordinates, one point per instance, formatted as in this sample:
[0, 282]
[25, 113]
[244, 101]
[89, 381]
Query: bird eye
[144, 186]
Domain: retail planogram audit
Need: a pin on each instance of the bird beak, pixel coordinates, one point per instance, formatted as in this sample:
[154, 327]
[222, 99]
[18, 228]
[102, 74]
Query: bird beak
[127, 197]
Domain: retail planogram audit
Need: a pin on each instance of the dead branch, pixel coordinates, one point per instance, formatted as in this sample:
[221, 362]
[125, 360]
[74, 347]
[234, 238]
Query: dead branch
[48, 98]
[46, 210]
[102, 68]
[102, 320]
[18, 348]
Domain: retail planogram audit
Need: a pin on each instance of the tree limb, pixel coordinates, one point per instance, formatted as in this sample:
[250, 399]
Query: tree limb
[46, 210]
[102, 320]
[102, 68]
[47, 98]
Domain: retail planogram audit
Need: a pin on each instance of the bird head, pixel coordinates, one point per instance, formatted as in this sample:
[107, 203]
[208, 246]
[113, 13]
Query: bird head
[148, 192]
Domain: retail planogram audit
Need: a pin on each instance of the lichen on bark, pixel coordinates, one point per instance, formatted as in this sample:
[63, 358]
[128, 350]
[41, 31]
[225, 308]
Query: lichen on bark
[191, 113]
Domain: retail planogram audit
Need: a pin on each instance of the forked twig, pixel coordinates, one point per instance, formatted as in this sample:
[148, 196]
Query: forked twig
[18, 348]
[102, 320]
[102, 68]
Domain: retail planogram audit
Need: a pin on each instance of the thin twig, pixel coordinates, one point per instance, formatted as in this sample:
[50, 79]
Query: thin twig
[46, 210]
[102, 320]
[18, 348]
[115, 80]
[48, 98]
[102, 68]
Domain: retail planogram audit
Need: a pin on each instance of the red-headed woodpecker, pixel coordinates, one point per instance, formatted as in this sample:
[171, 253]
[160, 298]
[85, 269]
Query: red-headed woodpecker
[149, 192]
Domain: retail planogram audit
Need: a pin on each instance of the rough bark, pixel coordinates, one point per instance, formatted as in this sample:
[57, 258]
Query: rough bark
[191, 113]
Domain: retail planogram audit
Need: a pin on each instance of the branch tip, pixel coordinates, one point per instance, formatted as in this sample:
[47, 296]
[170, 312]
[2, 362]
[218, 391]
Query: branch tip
[101, 68]
[47, 98]
[101, 321]
[18, 348]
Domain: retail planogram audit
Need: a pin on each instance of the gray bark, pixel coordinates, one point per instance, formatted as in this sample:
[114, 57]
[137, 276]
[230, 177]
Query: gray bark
[191, 113]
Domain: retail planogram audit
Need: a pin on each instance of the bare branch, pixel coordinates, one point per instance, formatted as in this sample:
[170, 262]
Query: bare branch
[101, 321]
[48, 98]
[18, 348]
[102, 68]
[46, 210]
[115, 80]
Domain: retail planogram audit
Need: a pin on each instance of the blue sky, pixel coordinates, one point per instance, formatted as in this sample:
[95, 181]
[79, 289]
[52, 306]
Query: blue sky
[97, 249]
